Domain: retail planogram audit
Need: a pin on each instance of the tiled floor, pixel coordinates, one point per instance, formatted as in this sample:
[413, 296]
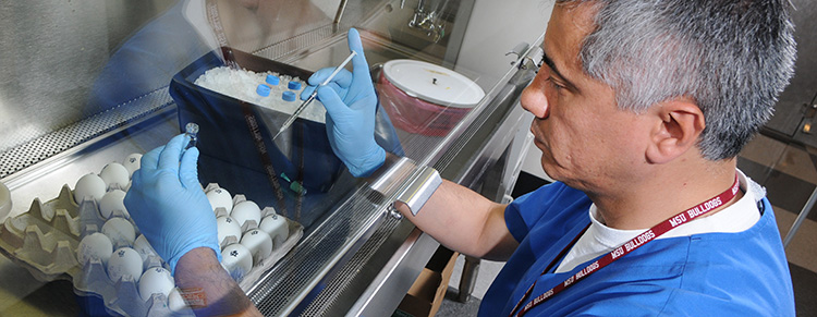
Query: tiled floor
[789, 173]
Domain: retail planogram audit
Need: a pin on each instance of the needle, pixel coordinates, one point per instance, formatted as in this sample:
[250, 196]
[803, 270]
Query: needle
[312, 96]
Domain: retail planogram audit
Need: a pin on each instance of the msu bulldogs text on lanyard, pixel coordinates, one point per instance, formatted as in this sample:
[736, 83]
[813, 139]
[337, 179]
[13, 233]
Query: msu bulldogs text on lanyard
[641, 239]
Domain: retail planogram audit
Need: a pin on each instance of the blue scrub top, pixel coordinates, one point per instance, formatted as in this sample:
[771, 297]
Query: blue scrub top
[713, 274]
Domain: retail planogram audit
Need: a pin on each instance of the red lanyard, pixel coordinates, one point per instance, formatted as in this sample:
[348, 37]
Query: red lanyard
[640, 240]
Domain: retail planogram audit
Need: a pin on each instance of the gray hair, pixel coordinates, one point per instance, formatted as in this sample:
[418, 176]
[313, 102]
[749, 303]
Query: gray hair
[732, 57]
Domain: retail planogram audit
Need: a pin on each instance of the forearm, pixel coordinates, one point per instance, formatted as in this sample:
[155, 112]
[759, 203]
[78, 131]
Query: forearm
[208, 288]
[465, 221]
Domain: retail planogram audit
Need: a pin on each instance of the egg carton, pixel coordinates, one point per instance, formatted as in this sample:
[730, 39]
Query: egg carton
[44, 240]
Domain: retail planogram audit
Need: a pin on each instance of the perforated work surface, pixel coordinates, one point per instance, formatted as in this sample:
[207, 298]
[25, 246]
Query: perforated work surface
[39, 149]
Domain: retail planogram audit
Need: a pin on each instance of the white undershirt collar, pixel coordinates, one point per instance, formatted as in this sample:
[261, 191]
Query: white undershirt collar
[600, 239]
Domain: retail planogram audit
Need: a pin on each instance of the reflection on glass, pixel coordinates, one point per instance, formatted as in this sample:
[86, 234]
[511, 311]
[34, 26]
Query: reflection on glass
[137, 67]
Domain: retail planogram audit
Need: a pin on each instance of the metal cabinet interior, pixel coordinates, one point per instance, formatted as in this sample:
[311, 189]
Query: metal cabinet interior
[64, 117]
[52, 54]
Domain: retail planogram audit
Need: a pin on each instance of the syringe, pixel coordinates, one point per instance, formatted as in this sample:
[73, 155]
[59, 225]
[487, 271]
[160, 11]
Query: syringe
[312, 96]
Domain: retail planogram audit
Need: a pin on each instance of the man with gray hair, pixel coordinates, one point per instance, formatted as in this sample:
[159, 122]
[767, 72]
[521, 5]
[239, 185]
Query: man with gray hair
[641, 108]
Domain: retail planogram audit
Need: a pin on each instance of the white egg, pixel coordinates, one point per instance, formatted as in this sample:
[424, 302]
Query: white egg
[220, 197]
[259, 243]
[95, 245]
[175, 301]
[156, 280]
[227, 227]
[115, 174]
[120, 231]
[113, 200]
[132, 163]
[277, 227]
[89, 185]
[125, 261]
[237, 259]
[143, 247]
[246, 210]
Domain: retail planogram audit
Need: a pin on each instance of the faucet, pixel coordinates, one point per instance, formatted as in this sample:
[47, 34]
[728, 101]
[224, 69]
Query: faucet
[426, 22]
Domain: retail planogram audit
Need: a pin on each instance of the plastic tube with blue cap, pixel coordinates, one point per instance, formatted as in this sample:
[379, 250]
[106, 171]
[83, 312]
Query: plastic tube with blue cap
[312, 96]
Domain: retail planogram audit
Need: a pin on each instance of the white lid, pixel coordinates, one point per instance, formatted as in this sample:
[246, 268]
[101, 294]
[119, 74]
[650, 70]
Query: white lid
[433, 83]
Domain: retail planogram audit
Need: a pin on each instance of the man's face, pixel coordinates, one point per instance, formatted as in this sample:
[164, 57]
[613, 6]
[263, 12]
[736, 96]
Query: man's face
[586, 141]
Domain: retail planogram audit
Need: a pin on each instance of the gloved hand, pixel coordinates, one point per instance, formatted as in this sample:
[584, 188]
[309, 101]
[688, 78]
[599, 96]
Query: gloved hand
[351, 104]
[169, 206]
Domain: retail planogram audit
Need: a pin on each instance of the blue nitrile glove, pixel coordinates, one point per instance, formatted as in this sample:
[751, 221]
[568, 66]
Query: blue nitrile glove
[169, 206]
[351, 104]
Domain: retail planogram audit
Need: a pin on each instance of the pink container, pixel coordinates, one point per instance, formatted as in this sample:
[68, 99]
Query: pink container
[425, 98]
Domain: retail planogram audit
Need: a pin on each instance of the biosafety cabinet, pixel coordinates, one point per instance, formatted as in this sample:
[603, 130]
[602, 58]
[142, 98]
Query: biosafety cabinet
[88, 86]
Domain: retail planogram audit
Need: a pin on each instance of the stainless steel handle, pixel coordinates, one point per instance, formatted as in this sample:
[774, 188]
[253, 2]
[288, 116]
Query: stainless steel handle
[420, 188]
[518, 50]
[5, 200]
[412, 184]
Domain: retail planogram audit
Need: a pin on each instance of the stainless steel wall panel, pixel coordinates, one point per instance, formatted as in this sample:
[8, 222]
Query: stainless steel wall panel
[53, 52]
[51, 55]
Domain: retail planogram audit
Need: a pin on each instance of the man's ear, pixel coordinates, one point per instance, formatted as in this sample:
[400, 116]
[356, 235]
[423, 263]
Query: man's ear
[678, 125]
